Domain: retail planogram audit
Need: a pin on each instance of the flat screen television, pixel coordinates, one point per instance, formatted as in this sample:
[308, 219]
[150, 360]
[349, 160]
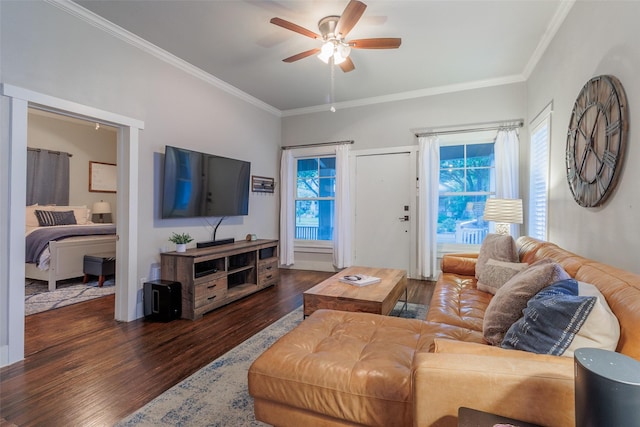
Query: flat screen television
[199, 185]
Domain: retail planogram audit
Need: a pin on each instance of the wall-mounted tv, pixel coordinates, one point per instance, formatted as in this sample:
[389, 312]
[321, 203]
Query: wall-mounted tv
[198, 184]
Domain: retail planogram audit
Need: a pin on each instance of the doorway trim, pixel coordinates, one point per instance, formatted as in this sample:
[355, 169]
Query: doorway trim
[16, 102]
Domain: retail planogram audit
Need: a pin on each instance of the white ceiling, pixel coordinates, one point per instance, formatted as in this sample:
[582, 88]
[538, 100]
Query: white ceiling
[446, 45]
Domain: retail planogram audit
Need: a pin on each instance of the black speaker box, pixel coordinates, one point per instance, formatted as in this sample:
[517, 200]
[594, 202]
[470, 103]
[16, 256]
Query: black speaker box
[162, 300]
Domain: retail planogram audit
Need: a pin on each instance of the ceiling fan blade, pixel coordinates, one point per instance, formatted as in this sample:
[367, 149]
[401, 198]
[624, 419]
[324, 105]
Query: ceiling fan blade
[301, 55]
[347, 65]
[350, 17]
[378, 43]
[294, 27]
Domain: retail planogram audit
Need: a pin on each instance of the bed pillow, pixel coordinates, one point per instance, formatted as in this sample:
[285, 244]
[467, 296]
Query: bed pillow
[507, 304]
[498, 247]
[496, 273]
[48, 218]
[562, 318]
[31, 220]
[81, 213]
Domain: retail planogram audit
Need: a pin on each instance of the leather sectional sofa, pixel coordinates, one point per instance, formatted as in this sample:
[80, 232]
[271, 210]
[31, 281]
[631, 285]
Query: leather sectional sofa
[340, 368]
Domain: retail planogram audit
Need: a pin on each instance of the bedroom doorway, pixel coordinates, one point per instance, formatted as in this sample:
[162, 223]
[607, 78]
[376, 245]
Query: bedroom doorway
[74, 145]
[15, 103]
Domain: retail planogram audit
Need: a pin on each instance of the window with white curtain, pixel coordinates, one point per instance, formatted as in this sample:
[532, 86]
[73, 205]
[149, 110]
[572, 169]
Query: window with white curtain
[540, 134]
[315, 197]
[467, 179]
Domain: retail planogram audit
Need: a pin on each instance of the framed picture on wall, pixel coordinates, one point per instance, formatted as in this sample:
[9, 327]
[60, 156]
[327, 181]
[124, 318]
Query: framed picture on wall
[103, 177]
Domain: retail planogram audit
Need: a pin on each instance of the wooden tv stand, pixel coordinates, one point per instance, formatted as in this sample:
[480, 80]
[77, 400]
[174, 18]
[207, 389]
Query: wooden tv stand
[215, 276]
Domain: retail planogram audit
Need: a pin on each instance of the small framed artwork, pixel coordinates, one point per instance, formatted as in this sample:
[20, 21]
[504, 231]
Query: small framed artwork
[103, 177]
[262, 184]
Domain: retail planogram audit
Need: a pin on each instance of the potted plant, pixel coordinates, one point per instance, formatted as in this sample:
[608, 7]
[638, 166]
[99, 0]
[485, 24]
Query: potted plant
[181, 241]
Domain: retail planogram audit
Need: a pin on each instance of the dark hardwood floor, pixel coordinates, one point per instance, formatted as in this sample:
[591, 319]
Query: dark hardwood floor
[82, 368]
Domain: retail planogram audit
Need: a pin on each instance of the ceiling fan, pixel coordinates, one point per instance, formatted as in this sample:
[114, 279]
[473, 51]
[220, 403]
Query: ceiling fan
[333, 32]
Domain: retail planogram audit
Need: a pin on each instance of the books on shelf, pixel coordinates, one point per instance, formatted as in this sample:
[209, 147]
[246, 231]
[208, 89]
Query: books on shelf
[359, 279]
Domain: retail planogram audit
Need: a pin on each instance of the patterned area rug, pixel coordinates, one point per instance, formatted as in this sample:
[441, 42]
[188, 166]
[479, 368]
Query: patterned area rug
[217, 394]
[72, 291]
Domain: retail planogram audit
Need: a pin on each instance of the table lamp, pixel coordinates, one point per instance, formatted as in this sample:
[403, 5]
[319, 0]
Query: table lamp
[607, 388]
[101, 208]
[503, 212]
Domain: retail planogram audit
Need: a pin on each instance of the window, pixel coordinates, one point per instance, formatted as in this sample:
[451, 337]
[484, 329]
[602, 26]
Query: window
[539, 174]
[315, 197]
[467, 178]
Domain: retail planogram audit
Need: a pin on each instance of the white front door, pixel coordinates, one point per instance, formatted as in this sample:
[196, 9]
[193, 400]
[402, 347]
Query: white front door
[384, 210]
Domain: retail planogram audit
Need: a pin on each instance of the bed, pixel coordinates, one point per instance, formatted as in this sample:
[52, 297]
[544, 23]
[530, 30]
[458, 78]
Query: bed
[56, 251]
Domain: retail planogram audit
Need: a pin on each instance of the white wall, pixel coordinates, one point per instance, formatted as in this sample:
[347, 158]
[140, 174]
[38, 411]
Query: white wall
[47, 50]
[598, 37]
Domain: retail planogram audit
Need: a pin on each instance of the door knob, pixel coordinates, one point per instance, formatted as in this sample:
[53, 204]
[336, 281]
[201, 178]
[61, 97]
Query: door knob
[404, 218]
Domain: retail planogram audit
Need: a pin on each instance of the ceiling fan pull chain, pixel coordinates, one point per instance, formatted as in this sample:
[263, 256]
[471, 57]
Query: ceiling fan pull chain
[332, 90]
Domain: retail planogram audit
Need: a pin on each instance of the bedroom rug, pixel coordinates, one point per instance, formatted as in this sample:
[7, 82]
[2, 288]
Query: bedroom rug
[38, 298]
[217, 395]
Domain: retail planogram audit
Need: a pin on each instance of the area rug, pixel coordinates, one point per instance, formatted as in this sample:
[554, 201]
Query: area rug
[38, 298]
[217, 394]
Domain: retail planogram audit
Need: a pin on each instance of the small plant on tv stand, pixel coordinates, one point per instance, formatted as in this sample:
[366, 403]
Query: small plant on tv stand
[181, 241]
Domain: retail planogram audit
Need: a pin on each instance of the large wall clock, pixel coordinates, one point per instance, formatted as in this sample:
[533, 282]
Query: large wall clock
[596, 140]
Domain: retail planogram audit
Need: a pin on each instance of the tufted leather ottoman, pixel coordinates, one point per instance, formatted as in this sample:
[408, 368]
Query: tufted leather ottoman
[338, 368]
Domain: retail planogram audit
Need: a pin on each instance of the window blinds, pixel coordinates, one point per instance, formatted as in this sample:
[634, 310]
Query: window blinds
[539, 175]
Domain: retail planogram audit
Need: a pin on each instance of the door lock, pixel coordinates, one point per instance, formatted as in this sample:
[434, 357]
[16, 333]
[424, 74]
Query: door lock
[404, 218]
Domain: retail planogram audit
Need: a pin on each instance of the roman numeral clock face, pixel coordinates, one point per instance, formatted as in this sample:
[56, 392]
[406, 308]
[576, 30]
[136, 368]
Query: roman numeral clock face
[596, 140]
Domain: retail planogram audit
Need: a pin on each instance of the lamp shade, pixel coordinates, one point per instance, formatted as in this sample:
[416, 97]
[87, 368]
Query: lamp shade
[504, 211]
[607, 388]
[101, 207]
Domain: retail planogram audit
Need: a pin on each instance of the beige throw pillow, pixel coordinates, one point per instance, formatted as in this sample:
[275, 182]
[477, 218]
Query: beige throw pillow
[497, 247]
[496, 273]
[511, 299]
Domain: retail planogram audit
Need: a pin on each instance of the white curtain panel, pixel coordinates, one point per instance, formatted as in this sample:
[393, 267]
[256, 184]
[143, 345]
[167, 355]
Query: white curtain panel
[507, 161]
[287, 211]
[342, 233]
[429, 178]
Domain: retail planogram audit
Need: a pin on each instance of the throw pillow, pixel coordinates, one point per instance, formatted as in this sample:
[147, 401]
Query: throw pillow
[496, 273]
[510, 300]
[51, 218]
[562, 318]
[498, 247]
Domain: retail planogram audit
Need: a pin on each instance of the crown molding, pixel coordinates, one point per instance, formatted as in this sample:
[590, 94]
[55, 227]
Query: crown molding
[97, 21]
[403, 96]
[109, 27]
[553, 27]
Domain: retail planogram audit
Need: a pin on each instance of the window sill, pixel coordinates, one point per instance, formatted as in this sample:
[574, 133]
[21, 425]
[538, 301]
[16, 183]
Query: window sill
[313, 246]
[451, 248]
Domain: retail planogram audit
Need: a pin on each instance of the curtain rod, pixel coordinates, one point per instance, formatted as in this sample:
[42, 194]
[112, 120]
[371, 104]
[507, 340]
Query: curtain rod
[318, 144]
[477, 129]
[51, 151]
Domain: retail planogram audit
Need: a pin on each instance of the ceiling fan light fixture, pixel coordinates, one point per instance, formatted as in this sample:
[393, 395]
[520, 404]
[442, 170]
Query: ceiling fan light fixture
[343, 50]
[341, 53]
[326, 51]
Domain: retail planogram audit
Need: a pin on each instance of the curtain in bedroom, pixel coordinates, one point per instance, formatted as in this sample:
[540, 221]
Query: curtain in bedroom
[47, 177]
[342, 234]
[429, 179]
[507, 157]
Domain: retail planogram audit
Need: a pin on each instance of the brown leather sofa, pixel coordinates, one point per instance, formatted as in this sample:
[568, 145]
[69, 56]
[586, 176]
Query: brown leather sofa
[341, 368]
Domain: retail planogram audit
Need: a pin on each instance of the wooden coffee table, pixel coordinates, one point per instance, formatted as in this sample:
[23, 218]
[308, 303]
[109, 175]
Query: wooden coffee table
[379, 298]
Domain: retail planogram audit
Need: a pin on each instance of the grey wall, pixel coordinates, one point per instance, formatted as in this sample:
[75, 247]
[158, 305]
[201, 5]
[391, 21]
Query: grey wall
[389, 124]
[597, 38]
